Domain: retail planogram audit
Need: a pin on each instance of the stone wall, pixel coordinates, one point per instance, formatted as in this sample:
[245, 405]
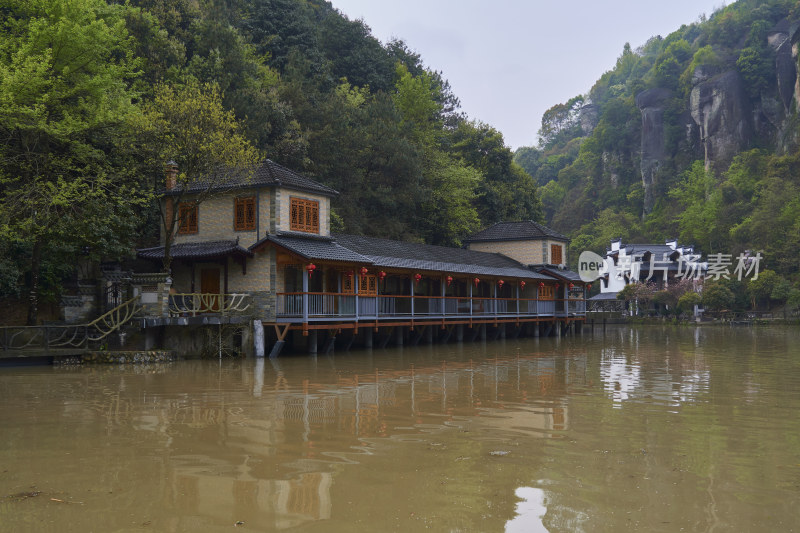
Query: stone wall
[114, 357]
[528, 252]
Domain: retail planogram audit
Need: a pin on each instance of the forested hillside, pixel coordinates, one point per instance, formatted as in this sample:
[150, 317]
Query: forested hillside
[96, 95]
[693, 135]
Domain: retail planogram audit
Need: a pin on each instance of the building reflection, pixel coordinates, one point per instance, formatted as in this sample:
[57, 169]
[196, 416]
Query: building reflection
[284, 450]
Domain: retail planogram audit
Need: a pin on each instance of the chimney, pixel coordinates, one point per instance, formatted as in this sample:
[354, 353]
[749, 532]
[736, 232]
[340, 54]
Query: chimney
[171, 174]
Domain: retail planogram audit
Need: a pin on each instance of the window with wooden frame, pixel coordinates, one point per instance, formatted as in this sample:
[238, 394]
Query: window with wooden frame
[555, 254]
[304, 215]
[546, 292]
[187, 218]
[347, 284]
[244, 213]
[368, 285]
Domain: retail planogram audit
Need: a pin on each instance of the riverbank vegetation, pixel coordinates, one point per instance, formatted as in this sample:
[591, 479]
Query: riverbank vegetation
[81, 83]
[84, 141]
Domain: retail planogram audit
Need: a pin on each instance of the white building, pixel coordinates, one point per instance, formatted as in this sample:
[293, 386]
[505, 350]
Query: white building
[656, 263]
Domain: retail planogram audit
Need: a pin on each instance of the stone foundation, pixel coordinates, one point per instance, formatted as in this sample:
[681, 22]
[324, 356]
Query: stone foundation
[115, 357]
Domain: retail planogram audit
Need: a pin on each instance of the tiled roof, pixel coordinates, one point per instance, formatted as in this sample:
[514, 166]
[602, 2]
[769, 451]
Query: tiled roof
[657, 249]
[397, 254]
[603, 297]
[515, 231]
[267, 174]
[196, 250]
[313, 247]
[556, 272]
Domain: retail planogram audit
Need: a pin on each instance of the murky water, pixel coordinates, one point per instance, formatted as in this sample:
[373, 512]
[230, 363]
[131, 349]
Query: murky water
[648, 429]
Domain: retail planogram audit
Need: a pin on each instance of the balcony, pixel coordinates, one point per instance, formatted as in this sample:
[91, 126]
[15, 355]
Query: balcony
[321, 306]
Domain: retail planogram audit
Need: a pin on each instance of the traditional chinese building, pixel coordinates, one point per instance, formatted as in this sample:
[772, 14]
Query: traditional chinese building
[660, 264]
[263, 243]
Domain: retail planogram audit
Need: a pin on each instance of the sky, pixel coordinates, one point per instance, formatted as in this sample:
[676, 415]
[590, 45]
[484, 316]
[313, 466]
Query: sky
[508, 61]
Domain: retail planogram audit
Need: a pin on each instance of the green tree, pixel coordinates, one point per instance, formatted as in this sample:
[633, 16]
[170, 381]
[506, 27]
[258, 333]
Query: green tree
[717, 297]
[687, 301]
[65, 72]
[506, 192]
[188, 125]
[699, 199]
[768, 286]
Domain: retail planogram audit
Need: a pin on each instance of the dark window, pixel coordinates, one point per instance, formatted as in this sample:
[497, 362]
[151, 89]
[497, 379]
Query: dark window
[187, 218]
[245, 214]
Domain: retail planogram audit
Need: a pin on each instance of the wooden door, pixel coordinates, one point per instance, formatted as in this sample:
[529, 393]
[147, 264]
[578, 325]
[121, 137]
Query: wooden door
[209, 285]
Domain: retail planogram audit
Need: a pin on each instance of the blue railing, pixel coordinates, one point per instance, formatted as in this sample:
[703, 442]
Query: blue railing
[323, 306]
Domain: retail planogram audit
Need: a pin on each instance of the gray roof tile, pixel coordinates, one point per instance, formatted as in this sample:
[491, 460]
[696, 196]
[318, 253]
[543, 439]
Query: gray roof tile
[397, 254]
[555, 272]
[515, 231]
[196, 250]
[267, 174]
[313, 247]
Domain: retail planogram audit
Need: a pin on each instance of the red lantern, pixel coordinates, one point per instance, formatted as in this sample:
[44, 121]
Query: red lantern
[449, 280]
[381, 274]
[557, 285]
[476, 281]
[571, 286]
[522, 285]
[311, 267]
[349, 273]
[541, 284]
[501, 282]
[417, 277]
[589, 287]
[364, 271]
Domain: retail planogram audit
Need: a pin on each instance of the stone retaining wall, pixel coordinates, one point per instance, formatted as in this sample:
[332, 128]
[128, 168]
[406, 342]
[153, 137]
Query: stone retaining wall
[151, 356]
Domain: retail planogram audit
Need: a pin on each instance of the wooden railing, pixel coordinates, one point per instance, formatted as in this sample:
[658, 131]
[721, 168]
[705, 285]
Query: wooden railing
[193, 304]
[326, 305]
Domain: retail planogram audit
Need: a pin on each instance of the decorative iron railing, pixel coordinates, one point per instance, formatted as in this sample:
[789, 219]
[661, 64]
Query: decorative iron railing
[319, 305]
[196, 303]
[68, 337]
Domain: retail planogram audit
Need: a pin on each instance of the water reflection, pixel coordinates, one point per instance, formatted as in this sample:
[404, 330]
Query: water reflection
[530, 511]
[552, 435]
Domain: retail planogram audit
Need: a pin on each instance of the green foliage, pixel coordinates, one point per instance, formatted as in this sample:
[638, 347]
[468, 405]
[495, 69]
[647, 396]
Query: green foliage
[65, 98]
[767, 287]
[188, 124]
[704, 57]
[687, 301]
[506, 192]
[717, 297]
[561, 121]
[699, 197]
[755, 67]
[83, 95]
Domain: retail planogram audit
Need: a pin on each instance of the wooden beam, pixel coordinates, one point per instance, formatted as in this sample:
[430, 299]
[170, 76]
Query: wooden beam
[281, 333]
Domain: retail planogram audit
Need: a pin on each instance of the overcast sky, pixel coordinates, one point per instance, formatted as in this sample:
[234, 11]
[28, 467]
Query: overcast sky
[508, 61]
